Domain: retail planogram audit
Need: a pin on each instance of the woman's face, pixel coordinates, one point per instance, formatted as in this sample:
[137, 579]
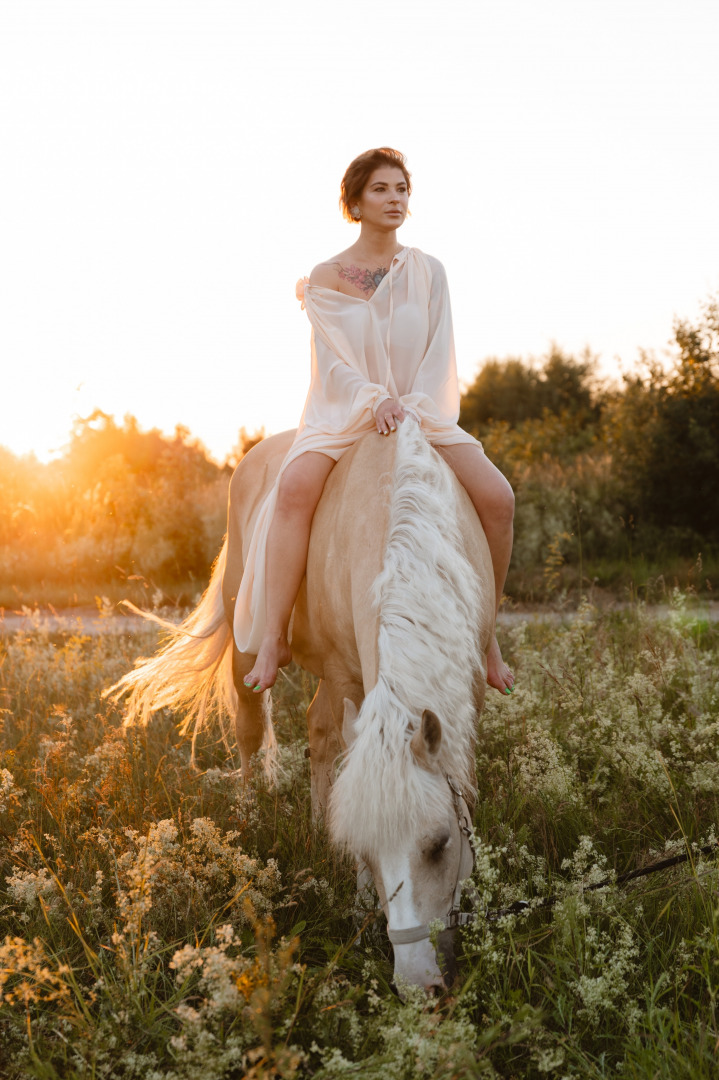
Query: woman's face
[385, 198]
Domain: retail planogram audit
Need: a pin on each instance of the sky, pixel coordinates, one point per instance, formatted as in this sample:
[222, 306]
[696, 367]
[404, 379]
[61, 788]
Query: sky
[171, 167]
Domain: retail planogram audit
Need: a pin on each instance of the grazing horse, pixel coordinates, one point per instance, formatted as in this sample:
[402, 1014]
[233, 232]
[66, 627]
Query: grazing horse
[394, 617]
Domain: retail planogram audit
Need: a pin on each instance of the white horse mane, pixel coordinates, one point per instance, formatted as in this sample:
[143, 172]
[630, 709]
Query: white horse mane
[428, 597]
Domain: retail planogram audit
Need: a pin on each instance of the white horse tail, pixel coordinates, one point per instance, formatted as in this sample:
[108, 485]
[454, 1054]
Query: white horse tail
[191, 673]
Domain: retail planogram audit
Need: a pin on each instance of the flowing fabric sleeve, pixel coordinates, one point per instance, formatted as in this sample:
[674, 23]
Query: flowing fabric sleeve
[346, 395]
[342, 398]
[435, 389]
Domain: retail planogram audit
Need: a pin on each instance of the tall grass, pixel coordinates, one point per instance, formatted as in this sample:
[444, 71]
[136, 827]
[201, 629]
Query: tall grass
[164, 923]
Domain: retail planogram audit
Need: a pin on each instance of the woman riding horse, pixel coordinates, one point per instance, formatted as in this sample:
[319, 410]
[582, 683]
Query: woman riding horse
[397, 609]
[382, 351]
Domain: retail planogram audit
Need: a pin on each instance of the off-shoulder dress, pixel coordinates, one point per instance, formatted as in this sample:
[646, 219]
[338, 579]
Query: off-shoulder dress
[398, 343]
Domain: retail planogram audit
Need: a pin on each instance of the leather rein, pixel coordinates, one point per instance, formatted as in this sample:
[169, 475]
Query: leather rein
[454, 916]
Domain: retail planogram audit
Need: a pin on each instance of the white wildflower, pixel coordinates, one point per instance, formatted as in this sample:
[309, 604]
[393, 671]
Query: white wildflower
[8, 792]
[26, 886]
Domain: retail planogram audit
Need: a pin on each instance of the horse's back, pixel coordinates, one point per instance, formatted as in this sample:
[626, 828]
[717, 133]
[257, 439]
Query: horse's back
[335, 622]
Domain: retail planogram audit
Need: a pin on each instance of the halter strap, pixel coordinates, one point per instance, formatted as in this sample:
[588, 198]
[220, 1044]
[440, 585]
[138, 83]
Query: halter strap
[454, 916]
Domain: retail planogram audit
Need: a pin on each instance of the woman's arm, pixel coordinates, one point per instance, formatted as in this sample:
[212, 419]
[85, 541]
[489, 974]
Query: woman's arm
[344, 387]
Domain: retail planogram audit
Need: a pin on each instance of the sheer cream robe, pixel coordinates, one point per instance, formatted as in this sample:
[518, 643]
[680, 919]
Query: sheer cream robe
[398, 344]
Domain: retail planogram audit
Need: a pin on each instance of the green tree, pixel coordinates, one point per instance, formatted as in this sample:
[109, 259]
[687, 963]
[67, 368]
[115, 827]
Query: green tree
[513, 391]
[567, 385]
[503, 390]
[664, 434]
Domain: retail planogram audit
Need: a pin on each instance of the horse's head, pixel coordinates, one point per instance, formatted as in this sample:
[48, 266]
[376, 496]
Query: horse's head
[416, 844]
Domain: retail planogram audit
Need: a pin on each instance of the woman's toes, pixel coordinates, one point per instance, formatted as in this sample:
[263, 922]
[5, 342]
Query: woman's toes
[506, 680]
[271, 657]
[258, 679]
[257, 684]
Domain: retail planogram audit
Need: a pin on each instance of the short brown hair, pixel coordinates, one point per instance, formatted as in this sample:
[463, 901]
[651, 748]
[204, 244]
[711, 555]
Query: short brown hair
[360, 170]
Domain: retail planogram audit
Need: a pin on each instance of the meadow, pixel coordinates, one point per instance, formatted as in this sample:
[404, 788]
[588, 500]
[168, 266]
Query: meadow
[161, 922]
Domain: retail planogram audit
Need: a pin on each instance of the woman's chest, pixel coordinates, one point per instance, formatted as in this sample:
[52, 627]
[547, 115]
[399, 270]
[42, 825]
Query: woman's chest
[403, 325]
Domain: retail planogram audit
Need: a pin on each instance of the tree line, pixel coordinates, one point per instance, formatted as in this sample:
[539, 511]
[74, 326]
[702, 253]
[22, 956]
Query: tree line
[610, 481]
[609, 473]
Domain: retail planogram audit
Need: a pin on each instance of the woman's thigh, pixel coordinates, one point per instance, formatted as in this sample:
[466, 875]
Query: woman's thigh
[484, 483]
[302, 482]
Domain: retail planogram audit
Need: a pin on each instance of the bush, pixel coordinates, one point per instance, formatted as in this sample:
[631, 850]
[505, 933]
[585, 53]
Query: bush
[120, 505]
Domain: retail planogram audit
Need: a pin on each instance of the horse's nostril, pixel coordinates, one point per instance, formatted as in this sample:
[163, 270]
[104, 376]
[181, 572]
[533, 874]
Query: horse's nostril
[435, 990]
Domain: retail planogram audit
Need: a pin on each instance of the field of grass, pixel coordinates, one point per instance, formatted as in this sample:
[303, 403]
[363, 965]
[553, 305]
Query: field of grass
[162, 923]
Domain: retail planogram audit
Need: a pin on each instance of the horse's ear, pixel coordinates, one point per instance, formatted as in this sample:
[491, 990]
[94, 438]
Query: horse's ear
[349, 734]
[427, 740]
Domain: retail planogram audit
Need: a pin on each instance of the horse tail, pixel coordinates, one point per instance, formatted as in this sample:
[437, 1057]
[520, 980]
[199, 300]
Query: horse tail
[192, 672]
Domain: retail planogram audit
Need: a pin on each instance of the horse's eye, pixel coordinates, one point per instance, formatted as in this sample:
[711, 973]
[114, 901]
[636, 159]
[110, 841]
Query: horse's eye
[437, 848]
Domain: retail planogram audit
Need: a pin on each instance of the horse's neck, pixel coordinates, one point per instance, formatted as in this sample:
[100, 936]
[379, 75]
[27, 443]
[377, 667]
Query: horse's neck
[432, 599]
[428, 609]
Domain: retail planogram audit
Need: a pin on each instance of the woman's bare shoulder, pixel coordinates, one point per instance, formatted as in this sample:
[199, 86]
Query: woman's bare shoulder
[327, 273]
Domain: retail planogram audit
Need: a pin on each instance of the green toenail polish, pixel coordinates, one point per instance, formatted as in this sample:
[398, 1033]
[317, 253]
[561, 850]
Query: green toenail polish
[258, 687]
[508, 689]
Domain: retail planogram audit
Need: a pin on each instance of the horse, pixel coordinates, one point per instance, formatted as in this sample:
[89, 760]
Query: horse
[394, 617]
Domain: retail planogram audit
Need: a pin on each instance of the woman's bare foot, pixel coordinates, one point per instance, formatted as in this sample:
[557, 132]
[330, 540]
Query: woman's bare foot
[498, 674]
[274, 653]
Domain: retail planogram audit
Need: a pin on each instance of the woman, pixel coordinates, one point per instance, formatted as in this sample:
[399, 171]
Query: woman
[382, 351]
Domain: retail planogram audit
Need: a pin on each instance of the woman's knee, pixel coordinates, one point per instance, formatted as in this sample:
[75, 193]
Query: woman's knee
[498, 502]
[301, 486]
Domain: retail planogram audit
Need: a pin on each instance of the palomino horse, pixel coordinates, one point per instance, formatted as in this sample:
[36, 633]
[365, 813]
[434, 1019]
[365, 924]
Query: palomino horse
[394, 617]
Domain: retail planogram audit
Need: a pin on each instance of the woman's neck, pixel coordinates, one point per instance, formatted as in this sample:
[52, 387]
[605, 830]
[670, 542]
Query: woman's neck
[376, 246]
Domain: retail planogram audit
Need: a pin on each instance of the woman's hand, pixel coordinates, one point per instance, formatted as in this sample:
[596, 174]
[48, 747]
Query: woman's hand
[388, 414]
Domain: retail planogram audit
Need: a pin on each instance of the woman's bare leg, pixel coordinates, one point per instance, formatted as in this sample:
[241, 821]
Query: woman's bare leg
[493, 500]
[286, 560]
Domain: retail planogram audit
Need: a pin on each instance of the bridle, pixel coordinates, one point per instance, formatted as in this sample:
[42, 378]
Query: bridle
[454, 916]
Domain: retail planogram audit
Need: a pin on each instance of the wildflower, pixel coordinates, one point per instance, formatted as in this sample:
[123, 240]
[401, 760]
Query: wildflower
[27, 976]
[9, 794]
[610, 961]
[27, 885]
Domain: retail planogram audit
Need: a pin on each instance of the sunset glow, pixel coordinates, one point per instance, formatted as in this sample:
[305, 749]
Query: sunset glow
[171, 170]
